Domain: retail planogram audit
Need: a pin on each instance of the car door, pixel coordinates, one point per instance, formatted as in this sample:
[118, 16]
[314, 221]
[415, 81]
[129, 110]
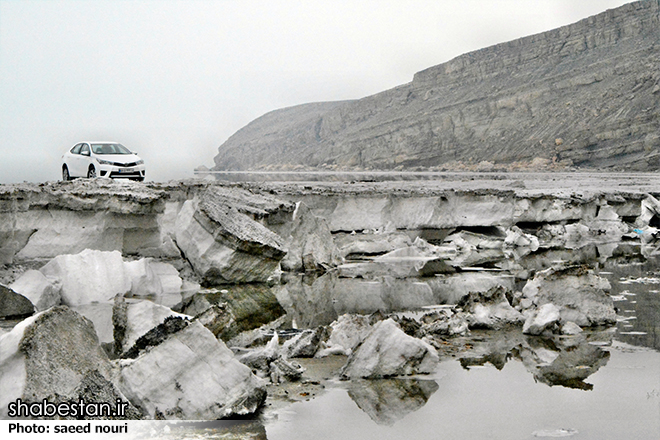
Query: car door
[84, 160]
[73, 161]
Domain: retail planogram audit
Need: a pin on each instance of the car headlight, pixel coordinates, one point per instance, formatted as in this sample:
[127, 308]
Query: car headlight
[139, 162]
[103, 162]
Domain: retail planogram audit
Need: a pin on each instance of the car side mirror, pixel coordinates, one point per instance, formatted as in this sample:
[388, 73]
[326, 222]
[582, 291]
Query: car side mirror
[85, 153]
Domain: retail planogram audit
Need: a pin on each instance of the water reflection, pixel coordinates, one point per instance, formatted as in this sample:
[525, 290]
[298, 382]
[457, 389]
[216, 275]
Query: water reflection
[315, 301]
[250, 306]
[387, 401]
[636, 289]
[498, 404]
[561, 360]
[312, 301]
[564, 362]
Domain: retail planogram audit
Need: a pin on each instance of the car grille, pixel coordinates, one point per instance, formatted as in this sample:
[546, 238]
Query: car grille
[126, 175]
[132, 164]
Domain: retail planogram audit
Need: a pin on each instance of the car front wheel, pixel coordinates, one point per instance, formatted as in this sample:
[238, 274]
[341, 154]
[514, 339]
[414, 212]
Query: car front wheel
[65, 174]
[91, 173]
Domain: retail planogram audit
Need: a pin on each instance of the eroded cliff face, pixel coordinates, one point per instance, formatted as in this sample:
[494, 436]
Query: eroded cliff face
[245, 233]
[43, 221]
[586, 95]
[225, 234]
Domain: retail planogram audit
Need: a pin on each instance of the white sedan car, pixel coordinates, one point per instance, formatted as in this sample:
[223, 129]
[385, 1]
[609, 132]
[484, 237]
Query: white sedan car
[104, 159]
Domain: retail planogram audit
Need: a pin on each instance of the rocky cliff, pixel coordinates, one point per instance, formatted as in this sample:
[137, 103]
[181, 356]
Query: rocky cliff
[586, 95]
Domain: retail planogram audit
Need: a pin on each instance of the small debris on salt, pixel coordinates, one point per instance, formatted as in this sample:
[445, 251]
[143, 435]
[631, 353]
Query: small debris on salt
[554, 432]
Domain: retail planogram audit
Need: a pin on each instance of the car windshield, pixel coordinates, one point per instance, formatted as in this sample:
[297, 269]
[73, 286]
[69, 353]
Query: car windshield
[110, 149]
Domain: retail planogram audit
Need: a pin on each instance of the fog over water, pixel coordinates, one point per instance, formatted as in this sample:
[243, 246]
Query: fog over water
[174, 79]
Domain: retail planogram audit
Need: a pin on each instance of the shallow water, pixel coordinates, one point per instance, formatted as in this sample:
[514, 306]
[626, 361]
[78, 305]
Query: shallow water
[604, 384]
[495, 404]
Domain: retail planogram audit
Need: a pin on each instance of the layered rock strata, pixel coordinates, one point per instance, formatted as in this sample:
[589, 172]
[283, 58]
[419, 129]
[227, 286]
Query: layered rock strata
[44, 221]
[585, 95]
[228, 233]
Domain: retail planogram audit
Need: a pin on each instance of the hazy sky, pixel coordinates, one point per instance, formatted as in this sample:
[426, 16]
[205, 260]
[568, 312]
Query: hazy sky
[174, 79]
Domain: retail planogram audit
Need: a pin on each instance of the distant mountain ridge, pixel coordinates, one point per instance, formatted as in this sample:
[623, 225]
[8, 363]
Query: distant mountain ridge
[586, 95]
